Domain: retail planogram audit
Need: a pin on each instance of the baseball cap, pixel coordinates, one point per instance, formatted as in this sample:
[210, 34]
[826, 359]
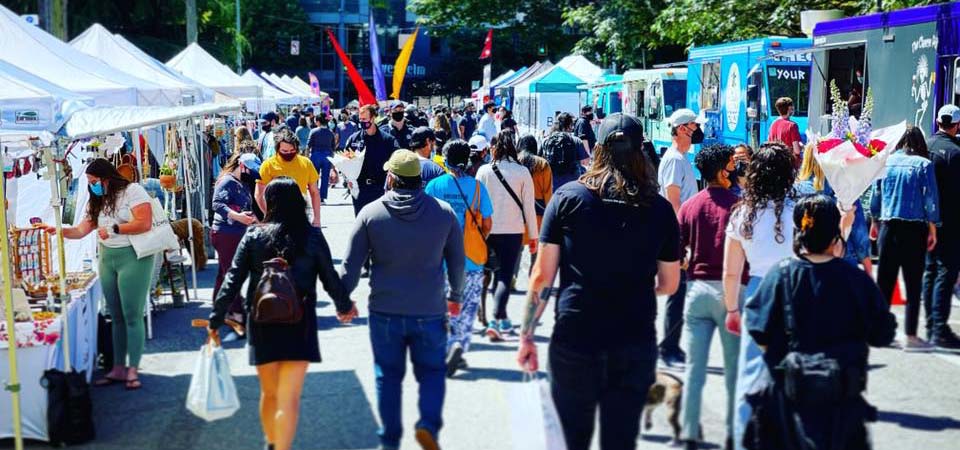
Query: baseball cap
[420, 135]
[308, 110]
[269, 116]
[684, 116]
[478, 142]
[403, 163]
[395, 104]
[252, 163]
[625, 127]
[950, 111]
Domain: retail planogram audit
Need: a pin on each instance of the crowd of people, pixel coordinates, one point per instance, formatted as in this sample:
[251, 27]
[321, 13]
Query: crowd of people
[754, 248]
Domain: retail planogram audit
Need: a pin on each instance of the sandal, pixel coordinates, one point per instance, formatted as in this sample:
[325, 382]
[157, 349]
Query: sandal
[107, 381]
[133, 384]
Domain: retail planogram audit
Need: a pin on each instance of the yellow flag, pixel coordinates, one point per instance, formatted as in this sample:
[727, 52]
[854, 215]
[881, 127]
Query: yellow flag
[400, 67]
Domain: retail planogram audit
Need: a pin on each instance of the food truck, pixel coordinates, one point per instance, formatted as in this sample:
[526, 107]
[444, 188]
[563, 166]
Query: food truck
[737, 84]
[653, 95]
[604, 95]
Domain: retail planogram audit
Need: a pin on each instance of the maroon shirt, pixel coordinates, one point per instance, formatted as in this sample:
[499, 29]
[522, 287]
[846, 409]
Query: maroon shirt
[703, 224]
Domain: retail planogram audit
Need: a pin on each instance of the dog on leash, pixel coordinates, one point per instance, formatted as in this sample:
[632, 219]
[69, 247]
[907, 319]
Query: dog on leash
[666, 390]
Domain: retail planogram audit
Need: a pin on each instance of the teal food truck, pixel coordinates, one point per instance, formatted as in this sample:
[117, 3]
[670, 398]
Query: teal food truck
[653, 95]
[737, 84]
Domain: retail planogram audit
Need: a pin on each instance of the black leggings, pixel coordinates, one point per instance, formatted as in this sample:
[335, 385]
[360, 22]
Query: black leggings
[903, 246]
[507, 248]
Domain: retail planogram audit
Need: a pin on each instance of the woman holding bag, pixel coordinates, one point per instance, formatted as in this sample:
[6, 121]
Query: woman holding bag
[116, 210]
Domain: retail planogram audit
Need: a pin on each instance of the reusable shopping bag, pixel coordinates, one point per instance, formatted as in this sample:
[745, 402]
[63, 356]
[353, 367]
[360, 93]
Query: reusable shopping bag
[159, 239]
[533, 416]
[212, 394]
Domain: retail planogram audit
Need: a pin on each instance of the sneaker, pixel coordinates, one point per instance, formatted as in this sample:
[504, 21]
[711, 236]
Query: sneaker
[673, 360]
[914, 344]
[454, 358]
[427, 440]
[463, 364]
[946, 340]
[493, 331]
[690, 445]
[506, 327]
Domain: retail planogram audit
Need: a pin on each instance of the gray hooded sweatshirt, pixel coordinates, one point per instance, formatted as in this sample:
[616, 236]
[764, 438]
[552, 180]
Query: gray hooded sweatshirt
[409, 237]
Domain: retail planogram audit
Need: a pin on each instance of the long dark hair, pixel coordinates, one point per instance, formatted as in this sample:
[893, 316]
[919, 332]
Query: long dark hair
[816, 224]
[506, 147]
[913, 142]
[114, 187]
[285, 219]
[621, 172]
[563, 122]
[770, 178]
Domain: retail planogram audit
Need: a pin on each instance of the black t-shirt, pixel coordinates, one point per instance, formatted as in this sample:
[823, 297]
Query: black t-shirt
[401, 135]
[608, 264]
[945, 155]
[469, 123]
[838, 310]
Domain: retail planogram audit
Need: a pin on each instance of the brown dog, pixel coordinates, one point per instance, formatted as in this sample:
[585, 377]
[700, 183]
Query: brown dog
[666, 390]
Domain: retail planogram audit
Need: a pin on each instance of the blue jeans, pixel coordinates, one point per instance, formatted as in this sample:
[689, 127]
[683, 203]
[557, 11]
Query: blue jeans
[752, 373]
[426, 337]
[323, 166]
[938, 280]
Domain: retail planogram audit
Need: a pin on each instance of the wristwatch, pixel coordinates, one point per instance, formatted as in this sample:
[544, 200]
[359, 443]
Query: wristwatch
[116, 228]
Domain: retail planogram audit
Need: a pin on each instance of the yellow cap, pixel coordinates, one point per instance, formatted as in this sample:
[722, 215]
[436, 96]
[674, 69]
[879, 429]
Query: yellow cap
[403, 163]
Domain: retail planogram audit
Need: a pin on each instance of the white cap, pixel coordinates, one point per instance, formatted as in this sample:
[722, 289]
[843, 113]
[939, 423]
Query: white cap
[479, 142]
[684, 116]
[950, 111]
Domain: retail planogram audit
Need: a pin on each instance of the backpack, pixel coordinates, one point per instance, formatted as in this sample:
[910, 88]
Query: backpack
[276, 301]
[560, 150]
[474, 244]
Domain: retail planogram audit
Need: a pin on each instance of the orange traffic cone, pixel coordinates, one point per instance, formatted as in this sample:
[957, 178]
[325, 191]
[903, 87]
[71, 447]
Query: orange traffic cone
[897, 298]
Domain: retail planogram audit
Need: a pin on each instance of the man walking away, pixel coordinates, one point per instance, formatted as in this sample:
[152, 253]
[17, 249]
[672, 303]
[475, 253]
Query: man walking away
[564, 151]
[423, 141]
[785, 130]
[320, 144]
[943, 263]
[677, 184]
[409, 236]
[583, 128]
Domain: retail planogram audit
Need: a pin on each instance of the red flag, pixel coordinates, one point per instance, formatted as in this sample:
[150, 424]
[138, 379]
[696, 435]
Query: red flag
[366, 97]
[487, 45]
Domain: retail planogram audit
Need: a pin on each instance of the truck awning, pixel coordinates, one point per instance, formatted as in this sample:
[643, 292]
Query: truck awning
[816, 48]
[670, 65]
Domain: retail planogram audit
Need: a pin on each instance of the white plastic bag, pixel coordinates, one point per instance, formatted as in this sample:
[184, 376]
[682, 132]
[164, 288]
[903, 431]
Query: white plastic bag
[159, 239]
[350, 168]
[533, 417]
[212, 395]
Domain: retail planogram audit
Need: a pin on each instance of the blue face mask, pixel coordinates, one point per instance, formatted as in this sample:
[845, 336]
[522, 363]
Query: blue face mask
[97, 189]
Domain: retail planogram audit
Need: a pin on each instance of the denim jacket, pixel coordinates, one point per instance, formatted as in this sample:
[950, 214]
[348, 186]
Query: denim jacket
[908, 191]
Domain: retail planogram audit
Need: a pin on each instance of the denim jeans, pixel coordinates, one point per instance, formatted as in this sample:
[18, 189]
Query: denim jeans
[704, 313]
[752, 373]
[939, 278]
[673, 319]
[617, 381]
[426, 338]
[323, 166]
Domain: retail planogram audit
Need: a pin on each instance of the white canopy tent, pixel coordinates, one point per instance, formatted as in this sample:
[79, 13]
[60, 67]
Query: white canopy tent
[30, 104]
[101, 121]
[195, 63]
[581, 67]
[116, 51]
[299, 81]
[36, 51]
[271, 93]
[284, 84]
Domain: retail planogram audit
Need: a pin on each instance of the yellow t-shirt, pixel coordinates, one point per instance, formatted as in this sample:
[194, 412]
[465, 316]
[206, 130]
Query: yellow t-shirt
[300, 169]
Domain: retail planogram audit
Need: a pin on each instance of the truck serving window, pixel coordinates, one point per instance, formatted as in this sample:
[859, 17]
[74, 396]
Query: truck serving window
[789, 81]
[846, 67]
[674, 95]
[710, 86]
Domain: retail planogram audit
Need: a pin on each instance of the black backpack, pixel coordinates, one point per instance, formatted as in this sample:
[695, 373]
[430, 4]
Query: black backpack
[560, 150]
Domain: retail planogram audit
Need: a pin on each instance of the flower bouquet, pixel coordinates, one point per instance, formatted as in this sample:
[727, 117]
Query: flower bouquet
[349, 164]
[854, 154]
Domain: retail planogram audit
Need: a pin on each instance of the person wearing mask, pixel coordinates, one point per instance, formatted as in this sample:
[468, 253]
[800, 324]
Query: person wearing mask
[703, 223]
[514, 214]
[678, 184]
[378, 146]
[321, 143]
[397, 127]
[470, 201]
[288, 162]
[760, 234]
[265, 141]
[786, 317]
[905, 207]
[603, 351]
[117, 209]
[346, 128]
[232, 215]
[410, 237]
[303, 134]
[479, 154]
[943, 262]
[583, 128]
[468, 124]
[565, 152]
[786, 131]
[488, 123]
[507, 122]
[455, 119]
[422, 142]
[282, 352]
[742, 154]
[294, 119]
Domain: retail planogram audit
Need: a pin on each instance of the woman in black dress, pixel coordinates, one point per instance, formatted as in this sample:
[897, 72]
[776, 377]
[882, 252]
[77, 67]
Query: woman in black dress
[282, 352]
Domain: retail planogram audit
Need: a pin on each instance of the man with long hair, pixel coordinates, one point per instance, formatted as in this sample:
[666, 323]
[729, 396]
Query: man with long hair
[603, 351]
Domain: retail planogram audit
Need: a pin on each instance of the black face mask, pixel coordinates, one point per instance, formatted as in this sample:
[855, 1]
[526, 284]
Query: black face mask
[397, 116]
[247, 178]
[588, 116]
[741, 169]
[266, 128]
[697, 136]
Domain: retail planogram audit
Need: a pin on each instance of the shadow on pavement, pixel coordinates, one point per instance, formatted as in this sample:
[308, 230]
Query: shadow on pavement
[919, 422]
[483, 373]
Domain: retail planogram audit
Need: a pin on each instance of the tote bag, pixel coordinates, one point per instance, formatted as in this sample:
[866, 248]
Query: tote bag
[159, 239]
[212, 394]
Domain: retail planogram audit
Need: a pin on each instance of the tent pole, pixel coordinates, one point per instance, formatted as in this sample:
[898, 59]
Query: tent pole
[56, 203]
[13, 386]
[186, 183]
[139, 153]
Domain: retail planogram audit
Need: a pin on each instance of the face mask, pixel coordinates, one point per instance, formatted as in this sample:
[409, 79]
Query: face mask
[397, 116]
[697, 136]
[588, 116]
[365, 125]
[741, 170]
[331, 126]
[247, 178]
[97, 189]
[288, 156]
[266, 128]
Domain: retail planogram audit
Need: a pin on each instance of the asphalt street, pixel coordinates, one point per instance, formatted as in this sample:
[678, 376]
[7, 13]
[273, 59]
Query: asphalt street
[916, 394]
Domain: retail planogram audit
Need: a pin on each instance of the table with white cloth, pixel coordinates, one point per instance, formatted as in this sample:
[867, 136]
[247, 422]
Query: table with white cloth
[39, 348]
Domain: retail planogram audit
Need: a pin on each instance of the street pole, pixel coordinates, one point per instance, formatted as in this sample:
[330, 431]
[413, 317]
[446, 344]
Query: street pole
[191, 21]
[237, 42]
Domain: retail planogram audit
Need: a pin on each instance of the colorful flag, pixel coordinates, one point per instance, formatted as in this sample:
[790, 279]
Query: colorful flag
[363, 92]
[379, 85]
[487, 45]
[314, 84]
[400, 67]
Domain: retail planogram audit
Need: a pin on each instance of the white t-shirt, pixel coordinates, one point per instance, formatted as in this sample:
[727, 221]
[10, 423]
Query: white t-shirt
[762, 249]
[132, 196]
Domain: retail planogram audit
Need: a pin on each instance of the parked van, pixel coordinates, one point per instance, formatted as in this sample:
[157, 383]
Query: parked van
[653, 95]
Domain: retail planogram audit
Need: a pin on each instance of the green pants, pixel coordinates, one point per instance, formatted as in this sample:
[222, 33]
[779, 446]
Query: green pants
[126, 281]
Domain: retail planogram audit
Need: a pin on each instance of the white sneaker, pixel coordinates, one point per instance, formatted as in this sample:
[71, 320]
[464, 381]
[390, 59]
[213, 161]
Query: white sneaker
[916, 345]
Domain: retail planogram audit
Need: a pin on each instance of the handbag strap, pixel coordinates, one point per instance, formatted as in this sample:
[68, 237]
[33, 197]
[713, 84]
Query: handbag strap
[503, 181]
[789, 317]
[476, 197]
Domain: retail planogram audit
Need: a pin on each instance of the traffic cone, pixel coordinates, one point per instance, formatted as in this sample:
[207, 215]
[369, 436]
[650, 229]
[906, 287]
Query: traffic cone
[897, 298]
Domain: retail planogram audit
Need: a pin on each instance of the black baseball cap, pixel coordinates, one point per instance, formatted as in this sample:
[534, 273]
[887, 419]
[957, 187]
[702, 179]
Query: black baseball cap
[623, 128]
[420, 135]
[269, 116]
